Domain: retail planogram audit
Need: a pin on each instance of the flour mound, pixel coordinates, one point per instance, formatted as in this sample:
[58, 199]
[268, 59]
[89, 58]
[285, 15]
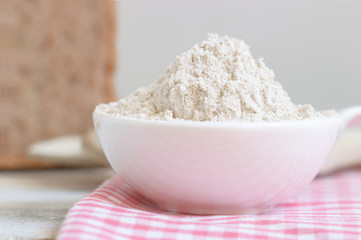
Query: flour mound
[216, 80]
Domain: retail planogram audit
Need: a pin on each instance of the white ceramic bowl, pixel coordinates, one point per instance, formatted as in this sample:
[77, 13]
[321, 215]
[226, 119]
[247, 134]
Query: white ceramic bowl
[217, 167]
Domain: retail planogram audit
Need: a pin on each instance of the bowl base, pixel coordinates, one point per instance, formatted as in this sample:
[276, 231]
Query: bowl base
[218, 210]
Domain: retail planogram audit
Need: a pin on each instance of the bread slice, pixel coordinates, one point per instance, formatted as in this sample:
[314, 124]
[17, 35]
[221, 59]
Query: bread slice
[56, 64]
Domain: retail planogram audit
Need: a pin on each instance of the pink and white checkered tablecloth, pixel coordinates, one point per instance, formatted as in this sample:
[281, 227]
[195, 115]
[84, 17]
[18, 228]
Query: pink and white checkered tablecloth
[329, 208]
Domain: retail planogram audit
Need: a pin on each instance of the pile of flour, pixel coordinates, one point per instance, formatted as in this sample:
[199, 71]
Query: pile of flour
[216, 80]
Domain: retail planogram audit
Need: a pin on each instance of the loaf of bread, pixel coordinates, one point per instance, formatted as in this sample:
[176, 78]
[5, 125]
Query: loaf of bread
[56, 63]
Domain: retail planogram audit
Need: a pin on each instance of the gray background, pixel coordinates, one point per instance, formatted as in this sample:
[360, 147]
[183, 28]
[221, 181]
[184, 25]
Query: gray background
[314, 47]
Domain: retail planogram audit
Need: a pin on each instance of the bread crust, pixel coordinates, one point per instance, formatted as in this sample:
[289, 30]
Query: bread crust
[16, 158]
[12, 162]
[111, 59]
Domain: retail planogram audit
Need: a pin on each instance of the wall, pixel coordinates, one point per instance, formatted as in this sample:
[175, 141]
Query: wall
[314, 47]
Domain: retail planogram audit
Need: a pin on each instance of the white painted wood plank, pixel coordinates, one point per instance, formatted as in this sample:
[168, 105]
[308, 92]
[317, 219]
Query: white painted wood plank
[33, 203]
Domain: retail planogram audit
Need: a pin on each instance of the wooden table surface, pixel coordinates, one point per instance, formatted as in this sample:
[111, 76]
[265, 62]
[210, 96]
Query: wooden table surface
[33, 203]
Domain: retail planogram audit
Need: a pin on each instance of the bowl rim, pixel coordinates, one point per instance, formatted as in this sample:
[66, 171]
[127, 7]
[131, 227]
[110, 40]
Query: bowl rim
[337, 119]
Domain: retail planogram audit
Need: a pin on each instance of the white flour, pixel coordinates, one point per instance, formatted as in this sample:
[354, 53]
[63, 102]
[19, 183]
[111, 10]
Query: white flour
[216, 80]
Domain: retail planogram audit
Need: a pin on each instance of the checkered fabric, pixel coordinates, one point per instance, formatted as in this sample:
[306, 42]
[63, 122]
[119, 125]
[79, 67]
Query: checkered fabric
[328, 208]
